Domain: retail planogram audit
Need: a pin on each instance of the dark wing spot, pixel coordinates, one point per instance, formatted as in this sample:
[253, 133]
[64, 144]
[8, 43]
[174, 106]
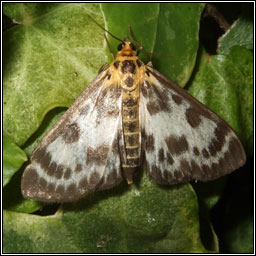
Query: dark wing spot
[71, 133]
[51, 188]
[111, 179]
[71, 190]
[169, 159]
[196, 170]
[45, 160]
[177, 145]
[85, 110]
[60, 190]
[193, 117]
[52, 168]
[39, 154]
[217, 143]
[205, 153]
[59, 171]
[29, 179]
[196, 151]
[83, 184]
[149, 143]
[115, 146]
[156, 175]
[97, 156]
[67, 174]
[185, 168]
[78, 168]
[153, 108]
[213, 147]
[42, 184]
[158, 100]
[178, 175]
[177, 99]
[144, 91]
[205, 170]
[161, 155]
[237, 151]
[94, 179]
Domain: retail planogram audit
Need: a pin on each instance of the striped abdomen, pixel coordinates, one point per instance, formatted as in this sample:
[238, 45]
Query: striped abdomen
[131, 131]
[130, 75]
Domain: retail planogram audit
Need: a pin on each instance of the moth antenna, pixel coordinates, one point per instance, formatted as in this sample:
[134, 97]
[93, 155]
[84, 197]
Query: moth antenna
[140, 47]
[110, 50]
[106, 30]
[138, 44]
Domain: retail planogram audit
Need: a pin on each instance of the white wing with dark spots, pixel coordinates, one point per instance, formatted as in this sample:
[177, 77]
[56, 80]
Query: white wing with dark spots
[183, 139]
[81, 153]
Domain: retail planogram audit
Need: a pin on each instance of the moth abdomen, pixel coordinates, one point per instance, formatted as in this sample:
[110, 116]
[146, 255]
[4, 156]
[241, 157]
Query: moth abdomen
[131, 132]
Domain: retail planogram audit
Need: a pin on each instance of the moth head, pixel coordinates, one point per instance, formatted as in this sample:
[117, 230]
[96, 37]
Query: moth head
[126, 48]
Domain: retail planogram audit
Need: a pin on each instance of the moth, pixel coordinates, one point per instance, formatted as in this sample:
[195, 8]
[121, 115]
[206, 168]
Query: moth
[129, 115]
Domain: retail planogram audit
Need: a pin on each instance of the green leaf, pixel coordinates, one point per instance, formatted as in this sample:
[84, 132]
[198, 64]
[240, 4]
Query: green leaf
[13, 158]
[50, 56]
[239, 34]
[49, 121]
[127, 219]
[239, 238]
[225, 84]
[168, 31]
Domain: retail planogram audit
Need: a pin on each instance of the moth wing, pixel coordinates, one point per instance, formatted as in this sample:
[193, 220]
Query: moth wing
[184, 140]
[81, 153]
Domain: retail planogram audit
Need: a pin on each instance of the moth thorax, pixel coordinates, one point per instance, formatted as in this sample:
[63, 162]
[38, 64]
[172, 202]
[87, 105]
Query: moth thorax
[129, 83]
[130, 118]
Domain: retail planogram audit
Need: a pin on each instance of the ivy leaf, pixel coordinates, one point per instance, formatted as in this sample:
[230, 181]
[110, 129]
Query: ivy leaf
[127, 219]
[13, 158]
[50, 56]
[239, 34]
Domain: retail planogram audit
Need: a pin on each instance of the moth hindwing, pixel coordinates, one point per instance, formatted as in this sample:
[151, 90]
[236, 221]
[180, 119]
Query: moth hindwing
[130, 114]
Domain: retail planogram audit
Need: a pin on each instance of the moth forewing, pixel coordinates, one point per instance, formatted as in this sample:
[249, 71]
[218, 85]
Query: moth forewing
[194, 144]
[80, 154]
[129, 111]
